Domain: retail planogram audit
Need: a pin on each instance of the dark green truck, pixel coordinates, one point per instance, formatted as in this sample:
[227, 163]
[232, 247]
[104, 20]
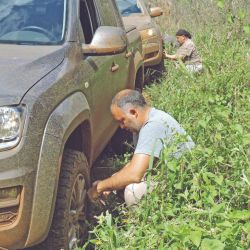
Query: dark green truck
[61, 62]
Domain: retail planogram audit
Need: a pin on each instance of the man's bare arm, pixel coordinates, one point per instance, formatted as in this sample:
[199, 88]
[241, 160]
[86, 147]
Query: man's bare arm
[174, 57]
[131, 173]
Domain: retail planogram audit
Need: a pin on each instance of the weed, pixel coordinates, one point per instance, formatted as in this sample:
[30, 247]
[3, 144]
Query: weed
[202, 200]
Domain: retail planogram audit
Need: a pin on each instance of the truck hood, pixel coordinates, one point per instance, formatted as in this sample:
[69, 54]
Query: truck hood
[141, 22]
[22, 66]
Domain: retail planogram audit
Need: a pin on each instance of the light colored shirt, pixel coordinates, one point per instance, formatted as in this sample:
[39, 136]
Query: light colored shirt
[160, 128]
[188, 53]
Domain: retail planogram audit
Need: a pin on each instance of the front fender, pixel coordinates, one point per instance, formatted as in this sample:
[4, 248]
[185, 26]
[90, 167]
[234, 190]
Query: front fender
[138, 59]
[64, 119]
[137, 64]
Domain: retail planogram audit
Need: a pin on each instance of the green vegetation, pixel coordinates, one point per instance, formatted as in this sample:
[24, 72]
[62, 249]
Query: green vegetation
[202, 201]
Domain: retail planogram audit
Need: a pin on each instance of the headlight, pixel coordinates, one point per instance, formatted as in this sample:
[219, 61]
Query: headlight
[11, 125]
[151, 32]
[145, 34]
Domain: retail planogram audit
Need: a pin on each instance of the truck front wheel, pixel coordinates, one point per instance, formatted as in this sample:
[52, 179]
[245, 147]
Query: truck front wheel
[69, 229]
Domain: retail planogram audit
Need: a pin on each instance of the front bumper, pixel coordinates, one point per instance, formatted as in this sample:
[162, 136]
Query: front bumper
[152, 51]
[17, 169]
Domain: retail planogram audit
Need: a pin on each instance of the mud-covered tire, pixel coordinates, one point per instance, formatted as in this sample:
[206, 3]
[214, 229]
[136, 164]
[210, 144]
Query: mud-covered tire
[139, 81]
[154, 73]
[160, 68]
[74, 177]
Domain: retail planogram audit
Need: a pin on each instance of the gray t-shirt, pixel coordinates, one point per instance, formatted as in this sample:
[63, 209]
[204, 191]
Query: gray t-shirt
[189, 53]
[160, 128]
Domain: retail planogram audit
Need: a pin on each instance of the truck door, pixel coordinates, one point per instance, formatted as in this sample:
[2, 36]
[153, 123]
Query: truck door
[110, 17]
[100, 79]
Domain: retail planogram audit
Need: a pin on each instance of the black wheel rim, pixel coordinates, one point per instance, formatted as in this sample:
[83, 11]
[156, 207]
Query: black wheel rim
[77, 228]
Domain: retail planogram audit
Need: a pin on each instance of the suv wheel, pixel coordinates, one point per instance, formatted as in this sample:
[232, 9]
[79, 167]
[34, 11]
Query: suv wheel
[159, 68]
[69, 229]
[154, 73]
[139, 81]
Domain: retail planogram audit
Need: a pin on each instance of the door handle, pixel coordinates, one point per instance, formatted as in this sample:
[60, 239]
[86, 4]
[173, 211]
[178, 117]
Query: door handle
[114, 67]
[129, 54]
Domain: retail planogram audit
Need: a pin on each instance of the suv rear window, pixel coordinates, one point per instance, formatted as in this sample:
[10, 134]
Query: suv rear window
[32, 21]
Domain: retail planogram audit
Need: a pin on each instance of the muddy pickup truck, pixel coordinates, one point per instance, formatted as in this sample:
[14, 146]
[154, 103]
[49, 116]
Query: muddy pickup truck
[139, 13]
[61, 62]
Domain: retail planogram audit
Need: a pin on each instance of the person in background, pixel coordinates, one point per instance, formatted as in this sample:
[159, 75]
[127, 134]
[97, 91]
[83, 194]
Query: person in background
[151, 128]
[187, 52]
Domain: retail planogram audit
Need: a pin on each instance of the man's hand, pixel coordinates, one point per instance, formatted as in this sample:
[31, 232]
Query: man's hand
[164, 54]
[92, 192]
[107, 193]
[167, 56]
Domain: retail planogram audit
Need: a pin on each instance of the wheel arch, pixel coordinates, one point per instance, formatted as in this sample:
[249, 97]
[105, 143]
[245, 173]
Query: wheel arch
[65, 124]
[136, 66]
[80, 140]
[139, 80]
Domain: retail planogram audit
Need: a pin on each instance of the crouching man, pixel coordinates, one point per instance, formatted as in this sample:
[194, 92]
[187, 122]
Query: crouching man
[150, 127]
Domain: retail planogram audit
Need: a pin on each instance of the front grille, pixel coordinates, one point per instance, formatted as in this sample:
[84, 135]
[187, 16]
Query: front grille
[9, 204]
[8, 215]
[150, 55]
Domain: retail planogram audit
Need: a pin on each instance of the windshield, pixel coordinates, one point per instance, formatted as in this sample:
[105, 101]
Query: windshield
[32, 21]
[128, 7]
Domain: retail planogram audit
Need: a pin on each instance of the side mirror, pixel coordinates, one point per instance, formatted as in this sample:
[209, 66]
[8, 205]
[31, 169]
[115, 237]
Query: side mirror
[156, 11]
[107, 40]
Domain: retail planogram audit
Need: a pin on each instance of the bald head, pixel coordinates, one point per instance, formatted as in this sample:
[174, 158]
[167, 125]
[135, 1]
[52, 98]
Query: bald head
[129, 97]
[130, 109]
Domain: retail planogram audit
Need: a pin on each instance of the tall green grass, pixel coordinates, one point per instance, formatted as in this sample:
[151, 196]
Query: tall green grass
[199, 15]
[202, 201]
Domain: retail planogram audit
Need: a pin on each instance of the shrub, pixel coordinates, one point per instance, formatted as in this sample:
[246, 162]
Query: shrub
[202, 200]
